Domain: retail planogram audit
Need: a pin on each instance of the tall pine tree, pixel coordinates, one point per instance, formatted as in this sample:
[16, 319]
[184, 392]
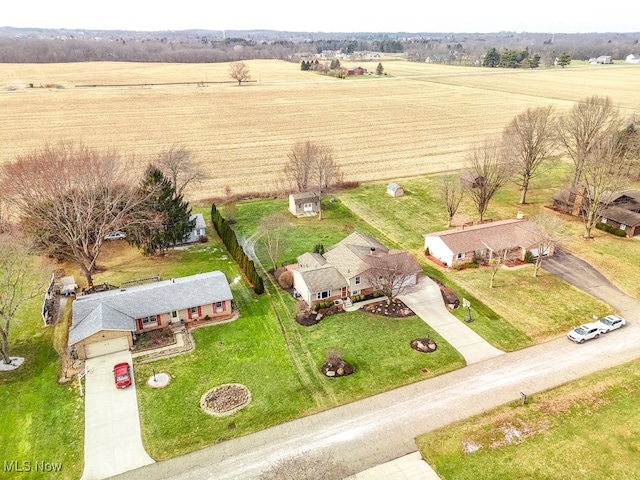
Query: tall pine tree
[166, 214]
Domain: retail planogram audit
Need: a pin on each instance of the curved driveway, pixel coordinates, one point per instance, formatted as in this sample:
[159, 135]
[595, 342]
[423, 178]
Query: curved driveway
[583, 276]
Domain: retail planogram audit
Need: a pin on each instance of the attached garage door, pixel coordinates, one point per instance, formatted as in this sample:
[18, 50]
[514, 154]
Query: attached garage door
[106, 347]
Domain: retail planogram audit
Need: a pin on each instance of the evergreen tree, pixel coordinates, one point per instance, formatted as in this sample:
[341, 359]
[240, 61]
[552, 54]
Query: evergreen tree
[564, 59]
[166, 215]
[491, 59]
[534, 62]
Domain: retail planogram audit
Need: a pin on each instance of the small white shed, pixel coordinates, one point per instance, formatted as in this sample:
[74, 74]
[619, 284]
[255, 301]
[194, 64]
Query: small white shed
[395, 190]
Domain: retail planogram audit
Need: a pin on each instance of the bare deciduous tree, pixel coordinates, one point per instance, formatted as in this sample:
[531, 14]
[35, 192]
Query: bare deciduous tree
[239, 71]
[69, 196]
[18, 283]
[391, 272]
[311, 166]
[179, 166]
[273, 234]
[549, 232]
[603, 173]
[490, 170]
[498, 258]
[529, 140]
[450, 191]
[325, 172]
[581, 129]
[297, 170]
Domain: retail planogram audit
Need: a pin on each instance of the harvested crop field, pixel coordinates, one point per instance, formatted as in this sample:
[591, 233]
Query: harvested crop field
[418, 119]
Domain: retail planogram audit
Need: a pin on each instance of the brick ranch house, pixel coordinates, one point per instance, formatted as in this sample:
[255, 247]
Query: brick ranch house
[106, 322]
[466, 244]
[622, 210]
[342, 271]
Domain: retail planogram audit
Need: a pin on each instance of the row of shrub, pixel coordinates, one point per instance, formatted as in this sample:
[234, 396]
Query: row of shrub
[609, 229]
[230, 240]
[369, 296]
[318, 305]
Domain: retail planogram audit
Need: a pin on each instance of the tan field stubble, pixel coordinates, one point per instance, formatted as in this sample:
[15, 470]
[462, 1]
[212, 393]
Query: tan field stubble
[378, 128]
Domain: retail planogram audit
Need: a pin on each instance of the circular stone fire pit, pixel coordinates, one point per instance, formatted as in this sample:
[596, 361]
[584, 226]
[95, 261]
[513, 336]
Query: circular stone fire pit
[225, 399]
[424, 345]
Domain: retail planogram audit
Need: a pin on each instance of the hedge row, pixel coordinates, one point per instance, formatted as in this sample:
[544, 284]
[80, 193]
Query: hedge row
[230, 241]
[609, 229]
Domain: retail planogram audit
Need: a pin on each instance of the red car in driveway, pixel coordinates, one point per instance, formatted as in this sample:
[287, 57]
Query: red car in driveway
[122, 375]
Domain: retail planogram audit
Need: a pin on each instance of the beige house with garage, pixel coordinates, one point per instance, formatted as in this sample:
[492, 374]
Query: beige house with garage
[110, 321]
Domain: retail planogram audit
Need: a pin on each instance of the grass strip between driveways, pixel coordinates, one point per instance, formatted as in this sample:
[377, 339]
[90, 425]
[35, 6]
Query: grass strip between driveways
[587, 429]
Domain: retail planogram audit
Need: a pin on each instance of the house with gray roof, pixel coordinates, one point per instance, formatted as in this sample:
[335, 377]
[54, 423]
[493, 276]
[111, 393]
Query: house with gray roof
[199, 229]
[511, 238]
[345, 269]
[107, 322]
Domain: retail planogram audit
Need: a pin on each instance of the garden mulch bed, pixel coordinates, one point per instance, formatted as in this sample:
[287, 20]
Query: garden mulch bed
[395, 309]
[154, 339]
[307, 318]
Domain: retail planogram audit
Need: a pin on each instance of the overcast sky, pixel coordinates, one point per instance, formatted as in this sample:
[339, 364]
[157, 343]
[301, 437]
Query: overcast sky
[557, 16]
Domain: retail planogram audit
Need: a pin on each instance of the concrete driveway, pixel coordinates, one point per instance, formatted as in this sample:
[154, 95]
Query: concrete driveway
[583, 276]
[426, 301]
[112, 439]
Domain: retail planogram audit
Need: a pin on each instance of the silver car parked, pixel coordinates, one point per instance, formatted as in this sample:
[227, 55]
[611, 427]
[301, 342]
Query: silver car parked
[610, 322]
[584, 332]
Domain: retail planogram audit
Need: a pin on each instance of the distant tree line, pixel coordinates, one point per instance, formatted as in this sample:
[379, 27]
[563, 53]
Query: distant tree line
[200, 46]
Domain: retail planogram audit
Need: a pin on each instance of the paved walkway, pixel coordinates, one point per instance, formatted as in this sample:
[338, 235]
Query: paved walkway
[426, 301]
[408, 467]
[112, 437]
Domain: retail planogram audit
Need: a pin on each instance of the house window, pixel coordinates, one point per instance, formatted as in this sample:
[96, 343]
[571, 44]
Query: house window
[325, 294]
[174, 314]
[623, 226]
[459, 256]
[150, 320]
[355, 292]
[358, 280]
[219, 306]
[603, 219]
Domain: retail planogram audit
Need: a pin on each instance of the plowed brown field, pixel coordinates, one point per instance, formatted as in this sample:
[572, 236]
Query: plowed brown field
[419, 119]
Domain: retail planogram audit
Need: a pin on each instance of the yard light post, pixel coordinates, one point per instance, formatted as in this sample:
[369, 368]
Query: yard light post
[154, 375]
[466, 303]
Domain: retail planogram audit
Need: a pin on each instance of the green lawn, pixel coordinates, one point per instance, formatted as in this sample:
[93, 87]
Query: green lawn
[40, 420]
[587, 429]
[279, 360]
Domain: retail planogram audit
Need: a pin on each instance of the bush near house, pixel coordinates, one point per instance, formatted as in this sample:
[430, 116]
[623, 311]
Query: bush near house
[609, 229]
